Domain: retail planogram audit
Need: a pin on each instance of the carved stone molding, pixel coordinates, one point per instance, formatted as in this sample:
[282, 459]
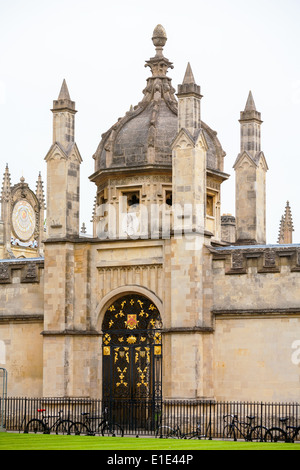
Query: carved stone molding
[29, 270]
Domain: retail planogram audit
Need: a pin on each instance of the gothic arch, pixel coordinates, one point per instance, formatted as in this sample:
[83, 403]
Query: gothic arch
[121, 291]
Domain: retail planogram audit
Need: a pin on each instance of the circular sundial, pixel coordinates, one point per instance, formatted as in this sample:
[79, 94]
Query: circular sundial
[23, 220]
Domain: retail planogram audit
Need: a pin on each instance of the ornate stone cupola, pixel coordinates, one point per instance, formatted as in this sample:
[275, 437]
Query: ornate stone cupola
[134, 157]
[142, 136]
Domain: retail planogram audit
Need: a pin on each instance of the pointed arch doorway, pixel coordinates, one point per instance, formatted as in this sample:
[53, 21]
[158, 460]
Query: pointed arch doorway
[132, 350]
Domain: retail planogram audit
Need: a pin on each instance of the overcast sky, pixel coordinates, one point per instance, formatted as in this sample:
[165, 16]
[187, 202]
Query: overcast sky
[100, 48]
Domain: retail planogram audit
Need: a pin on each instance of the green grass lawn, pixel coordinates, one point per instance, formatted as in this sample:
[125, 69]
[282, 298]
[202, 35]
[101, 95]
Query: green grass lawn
[16, 441]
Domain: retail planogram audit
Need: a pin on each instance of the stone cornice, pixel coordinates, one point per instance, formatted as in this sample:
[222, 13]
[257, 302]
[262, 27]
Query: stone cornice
[22, 318]
[184, 330]
[71, 333]
[257, 313]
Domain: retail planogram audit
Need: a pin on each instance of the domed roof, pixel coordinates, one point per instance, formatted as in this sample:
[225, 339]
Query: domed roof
[144, 135]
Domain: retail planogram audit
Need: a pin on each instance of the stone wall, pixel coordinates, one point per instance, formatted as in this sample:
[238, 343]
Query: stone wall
[21, 324]
[257, 323]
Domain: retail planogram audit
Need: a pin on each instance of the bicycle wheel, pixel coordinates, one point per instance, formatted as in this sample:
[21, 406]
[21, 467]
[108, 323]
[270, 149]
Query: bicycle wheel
[195, 435]
[276, 435]
[165, 432]
[64, 427]
[228, 432]
[295, 435]
[114, 430]
[36, 426]
[80, 429]
[258, 434]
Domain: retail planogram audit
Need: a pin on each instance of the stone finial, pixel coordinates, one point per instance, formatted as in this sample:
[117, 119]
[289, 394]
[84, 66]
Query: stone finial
[159, 39]
[40, 191]
[159, 64]
[286, 227]
[6, 185]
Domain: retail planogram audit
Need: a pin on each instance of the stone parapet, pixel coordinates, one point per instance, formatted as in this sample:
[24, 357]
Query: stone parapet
[20, 270]
[262, 258]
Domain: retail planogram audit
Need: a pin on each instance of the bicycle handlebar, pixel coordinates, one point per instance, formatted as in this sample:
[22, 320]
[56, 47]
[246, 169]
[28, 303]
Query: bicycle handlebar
[87, 413]
[230, 416]
[42, 410]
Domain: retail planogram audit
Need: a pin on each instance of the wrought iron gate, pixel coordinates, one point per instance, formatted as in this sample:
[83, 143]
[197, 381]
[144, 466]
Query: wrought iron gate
[132, 350]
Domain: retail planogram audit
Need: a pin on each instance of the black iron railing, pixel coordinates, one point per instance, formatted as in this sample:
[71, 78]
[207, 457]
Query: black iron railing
[145, 417]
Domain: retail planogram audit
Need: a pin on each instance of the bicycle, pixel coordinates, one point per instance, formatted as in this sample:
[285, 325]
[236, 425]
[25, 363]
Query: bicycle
[105, 427]
[198, 434]
[61, 426]
[277, 434]
[245, 429]
[166, 432]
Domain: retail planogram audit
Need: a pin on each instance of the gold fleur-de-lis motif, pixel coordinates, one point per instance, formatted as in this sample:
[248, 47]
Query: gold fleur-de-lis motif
[142, 377]
[112, 308]
[122, 377]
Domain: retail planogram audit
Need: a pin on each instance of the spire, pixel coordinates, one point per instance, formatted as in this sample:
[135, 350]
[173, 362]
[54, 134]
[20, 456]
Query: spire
[6, 185]
[286, 227]
[250, 121]
[189, 85]
[189, 77]
[250, 194]
[64, 118]
[250, 112]
[64, 101]
[64, 92]
[40, 191]
[250, 105]
[189, 108]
